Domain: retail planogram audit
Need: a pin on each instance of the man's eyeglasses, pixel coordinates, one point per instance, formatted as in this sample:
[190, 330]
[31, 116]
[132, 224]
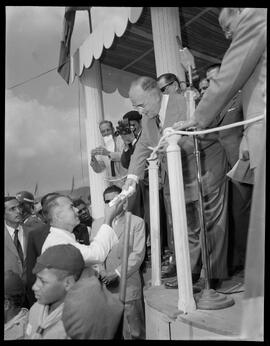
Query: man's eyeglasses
[165, 86]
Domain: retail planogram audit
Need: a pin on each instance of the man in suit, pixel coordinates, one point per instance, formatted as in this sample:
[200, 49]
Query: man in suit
[243, 68]
[36, 239]
[134, 325]
[240, 192]
[16, 237]
[146, 98]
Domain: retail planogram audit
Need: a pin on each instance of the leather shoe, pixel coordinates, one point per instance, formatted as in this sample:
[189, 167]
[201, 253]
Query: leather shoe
[169, 272]
[174, 285]
[171, 284]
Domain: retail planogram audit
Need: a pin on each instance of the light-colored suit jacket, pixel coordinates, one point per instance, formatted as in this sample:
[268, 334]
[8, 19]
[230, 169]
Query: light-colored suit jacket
[243, 67]
[12, 259]
[135, 257]
[213, 158]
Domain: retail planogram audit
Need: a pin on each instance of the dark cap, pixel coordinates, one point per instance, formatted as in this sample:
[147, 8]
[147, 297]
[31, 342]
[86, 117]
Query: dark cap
[25, 196]
[13, 284]
[64, 257]
[133, 115]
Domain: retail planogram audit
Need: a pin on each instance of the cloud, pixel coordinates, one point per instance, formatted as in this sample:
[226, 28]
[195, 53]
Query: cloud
[42, 144]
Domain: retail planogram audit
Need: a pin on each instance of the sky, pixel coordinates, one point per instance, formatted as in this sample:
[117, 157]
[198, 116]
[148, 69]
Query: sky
[44, 143]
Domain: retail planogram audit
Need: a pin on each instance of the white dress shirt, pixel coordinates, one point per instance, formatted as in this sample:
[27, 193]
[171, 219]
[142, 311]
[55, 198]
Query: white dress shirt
[11, 231]
[96, 252]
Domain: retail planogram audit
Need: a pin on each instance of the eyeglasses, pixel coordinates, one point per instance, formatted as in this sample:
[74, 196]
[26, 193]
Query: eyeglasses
[165, 86]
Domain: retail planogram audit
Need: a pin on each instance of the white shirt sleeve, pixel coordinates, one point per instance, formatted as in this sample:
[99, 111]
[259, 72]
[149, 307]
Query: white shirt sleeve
[101, 245]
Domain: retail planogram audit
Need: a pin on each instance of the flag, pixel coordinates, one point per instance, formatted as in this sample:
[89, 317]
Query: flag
[64, 56]
[36, 189]
[72, 185]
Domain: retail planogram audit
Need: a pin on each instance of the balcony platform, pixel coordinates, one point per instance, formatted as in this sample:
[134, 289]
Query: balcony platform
[165, 322]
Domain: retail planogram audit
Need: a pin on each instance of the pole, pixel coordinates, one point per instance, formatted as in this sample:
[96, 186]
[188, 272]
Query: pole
[123, 281]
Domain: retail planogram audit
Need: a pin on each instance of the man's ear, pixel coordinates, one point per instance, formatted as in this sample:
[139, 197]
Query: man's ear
[69, 282]
[7, 304]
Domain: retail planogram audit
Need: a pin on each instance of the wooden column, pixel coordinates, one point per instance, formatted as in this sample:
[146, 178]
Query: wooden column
[91, 81]
[154, 223]
[186, 301]
[165, 27]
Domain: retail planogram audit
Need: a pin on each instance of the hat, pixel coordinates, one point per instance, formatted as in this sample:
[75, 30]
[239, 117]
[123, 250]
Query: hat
[64, 257]
[13, 284]
[25, 196]
[91, 311]
[133, 115]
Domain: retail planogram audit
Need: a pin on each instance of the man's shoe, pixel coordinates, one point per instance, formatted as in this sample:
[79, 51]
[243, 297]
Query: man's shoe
[174, 285]
[171, 284]
[169, 272]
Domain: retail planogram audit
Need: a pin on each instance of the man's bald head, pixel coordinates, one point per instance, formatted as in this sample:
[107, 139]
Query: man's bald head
[145, 96]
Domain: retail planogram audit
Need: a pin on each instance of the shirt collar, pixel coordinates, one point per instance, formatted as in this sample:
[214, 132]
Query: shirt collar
[61, 230]
[11, 230]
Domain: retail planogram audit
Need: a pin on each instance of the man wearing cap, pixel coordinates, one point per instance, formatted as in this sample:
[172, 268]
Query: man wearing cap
[16, 237]
[16, 317]
[57, 269]
[63, 217]
[27, 205]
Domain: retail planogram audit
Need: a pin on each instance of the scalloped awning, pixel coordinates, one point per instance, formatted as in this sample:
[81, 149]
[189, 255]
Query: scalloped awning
[102, 37]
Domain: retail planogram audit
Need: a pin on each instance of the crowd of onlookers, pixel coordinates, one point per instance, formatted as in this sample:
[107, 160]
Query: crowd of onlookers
[63, 269]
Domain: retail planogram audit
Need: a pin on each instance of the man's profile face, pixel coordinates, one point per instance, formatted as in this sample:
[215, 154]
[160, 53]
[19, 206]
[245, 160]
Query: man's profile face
[13, 212]
[147, 103]
[66, 213]
[106, 129]
[48, 289]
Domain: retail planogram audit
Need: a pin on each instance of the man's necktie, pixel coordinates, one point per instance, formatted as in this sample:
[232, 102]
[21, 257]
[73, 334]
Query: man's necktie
[112, 169]
[18, 245]
[158, 122]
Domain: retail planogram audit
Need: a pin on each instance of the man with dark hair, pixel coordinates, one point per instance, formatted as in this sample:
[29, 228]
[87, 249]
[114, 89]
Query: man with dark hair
[15, 315]
[133, 326]
[83, 230]
[16, 235]
[36, 239]
[57, 269]
[107, 158]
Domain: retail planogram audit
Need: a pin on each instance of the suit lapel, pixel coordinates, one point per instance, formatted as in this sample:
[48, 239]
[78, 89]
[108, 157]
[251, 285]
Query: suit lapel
[9, 243]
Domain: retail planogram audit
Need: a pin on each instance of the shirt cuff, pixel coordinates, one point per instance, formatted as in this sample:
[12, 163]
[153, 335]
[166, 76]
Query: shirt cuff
[117, 272]
[133, 177]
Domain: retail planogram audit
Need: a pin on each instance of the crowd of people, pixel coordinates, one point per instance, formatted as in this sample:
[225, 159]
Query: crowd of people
[63, 268]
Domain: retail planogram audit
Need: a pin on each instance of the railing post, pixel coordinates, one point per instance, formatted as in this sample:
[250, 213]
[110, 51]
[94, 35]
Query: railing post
[154, 222]
[186, 301]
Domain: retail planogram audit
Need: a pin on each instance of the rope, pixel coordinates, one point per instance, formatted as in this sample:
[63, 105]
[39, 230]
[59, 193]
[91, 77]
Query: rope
[171, 131]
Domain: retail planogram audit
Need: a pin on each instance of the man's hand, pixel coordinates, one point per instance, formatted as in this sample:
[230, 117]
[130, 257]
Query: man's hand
[113, 211]
[243, 150]
[181, 125]
[129, 182]
[107, 277]
[100, 151]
